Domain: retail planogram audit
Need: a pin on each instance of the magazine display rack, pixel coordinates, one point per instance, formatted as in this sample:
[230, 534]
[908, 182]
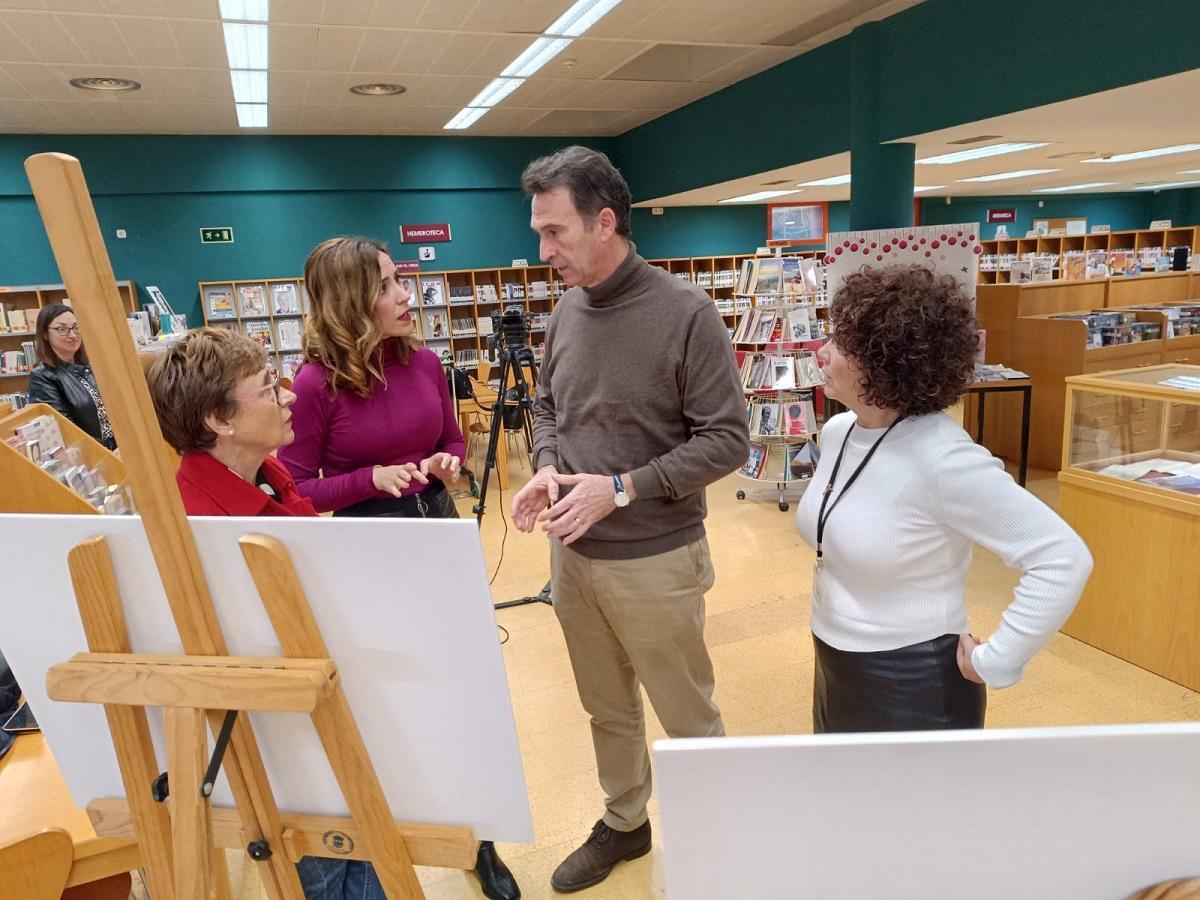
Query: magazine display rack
[267, 310]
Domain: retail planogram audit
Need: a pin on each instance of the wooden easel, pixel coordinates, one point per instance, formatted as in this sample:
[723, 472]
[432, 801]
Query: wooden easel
[178, 839]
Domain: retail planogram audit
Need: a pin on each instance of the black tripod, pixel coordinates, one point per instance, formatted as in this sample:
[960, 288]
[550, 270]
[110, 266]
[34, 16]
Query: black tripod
[511, 402]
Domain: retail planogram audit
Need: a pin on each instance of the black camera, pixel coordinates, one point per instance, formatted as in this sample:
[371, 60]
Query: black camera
[510, 327]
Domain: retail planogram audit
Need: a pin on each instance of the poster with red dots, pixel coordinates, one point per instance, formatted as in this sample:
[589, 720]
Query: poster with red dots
[950, 249]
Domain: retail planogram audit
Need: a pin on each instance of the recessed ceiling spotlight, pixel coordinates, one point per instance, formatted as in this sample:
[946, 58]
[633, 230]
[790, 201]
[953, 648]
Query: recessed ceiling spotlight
[105, 84]
[378, 90]
[570, 63]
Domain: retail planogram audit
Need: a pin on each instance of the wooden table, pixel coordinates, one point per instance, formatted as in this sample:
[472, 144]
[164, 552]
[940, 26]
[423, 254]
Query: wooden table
[34, 796]
[481, 405]
[1025, 386]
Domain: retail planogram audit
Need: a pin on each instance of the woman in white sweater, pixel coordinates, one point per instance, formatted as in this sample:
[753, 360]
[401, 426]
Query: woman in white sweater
[899, 497]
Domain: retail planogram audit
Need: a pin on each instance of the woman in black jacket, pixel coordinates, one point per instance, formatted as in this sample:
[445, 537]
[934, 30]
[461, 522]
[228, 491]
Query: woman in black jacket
[64, 379]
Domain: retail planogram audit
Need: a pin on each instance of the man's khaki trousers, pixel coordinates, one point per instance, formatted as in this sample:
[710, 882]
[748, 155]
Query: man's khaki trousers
[628, 621]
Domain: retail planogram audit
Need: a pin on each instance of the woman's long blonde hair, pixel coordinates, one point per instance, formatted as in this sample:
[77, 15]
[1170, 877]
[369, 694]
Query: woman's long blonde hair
[341, 276]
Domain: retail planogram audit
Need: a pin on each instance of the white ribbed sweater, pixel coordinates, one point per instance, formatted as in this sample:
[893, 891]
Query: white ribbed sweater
[897, 549]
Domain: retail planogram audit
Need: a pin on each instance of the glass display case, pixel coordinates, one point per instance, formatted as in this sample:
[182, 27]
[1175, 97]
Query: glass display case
[1138, 428]
[1130, 487]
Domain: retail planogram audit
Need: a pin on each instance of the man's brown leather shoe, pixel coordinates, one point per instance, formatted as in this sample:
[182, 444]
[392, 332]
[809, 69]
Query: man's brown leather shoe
[603, 849]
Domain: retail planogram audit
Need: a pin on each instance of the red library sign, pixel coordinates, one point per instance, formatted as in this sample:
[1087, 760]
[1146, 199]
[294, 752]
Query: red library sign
[430, 233]
[407, 266]
[1002, 215]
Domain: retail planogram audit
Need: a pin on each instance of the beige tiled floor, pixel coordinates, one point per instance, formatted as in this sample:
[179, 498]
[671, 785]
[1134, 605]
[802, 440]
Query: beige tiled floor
[757, 631]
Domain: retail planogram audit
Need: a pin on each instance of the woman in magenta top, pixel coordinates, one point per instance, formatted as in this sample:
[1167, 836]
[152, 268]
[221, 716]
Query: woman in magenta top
[376, 430]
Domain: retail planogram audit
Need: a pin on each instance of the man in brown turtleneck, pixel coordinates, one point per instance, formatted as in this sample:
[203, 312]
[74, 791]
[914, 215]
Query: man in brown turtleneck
[639, 407]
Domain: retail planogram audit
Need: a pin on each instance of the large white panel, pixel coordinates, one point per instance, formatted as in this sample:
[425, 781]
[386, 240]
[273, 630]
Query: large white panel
[44, 35]
[99, 39]
[403, 606]
[1089, 813]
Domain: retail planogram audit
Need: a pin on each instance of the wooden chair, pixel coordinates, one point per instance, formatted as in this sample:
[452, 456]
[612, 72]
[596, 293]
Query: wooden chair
[36, 867]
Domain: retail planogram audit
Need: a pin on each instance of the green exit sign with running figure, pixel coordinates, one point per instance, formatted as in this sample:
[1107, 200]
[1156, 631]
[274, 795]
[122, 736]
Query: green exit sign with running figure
[223, 235]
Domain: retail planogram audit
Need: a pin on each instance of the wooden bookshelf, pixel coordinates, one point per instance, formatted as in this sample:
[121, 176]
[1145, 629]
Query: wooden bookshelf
[1134, 241]
[283, 351]
[29, 489]
[31, 298]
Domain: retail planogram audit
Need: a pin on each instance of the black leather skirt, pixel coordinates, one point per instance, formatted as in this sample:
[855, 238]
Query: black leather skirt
[914, 688]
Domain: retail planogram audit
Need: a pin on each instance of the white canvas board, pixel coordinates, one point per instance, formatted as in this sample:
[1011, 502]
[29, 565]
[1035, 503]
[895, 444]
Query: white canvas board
[404, 608]
[1070, 813]
[947, 249]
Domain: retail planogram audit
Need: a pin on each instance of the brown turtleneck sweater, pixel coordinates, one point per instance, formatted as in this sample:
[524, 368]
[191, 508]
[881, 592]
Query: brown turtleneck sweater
[639, 377]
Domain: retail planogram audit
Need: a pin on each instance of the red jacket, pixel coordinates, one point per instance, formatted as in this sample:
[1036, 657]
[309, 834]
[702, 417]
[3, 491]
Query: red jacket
[210, 488]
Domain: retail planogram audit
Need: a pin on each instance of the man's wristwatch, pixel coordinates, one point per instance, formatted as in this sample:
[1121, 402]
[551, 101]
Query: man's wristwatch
[620, 498]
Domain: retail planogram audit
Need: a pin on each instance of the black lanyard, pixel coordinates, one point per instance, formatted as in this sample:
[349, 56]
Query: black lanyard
[822, 515]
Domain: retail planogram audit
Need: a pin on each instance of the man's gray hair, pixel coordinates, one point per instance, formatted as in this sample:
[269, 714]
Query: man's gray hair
[592, 180]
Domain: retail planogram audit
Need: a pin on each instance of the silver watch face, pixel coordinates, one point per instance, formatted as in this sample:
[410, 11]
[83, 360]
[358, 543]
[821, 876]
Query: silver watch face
[621, 499]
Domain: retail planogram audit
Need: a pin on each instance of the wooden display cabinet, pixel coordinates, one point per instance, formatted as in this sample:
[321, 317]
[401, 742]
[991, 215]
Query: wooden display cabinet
[1143, 600]
[1132, 240]
[29, 489]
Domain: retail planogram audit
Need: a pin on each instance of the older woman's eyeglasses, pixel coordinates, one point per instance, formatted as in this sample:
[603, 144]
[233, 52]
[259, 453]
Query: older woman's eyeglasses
[64, 330]
[274, 387]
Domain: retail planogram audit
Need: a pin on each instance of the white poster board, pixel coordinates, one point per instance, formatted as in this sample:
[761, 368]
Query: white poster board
[403, 606]
[947, 249]
[1070, 813]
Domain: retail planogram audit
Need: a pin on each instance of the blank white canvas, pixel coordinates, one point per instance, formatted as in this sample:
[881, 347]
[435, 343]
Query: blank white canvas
[1065, 813]
[404, 608]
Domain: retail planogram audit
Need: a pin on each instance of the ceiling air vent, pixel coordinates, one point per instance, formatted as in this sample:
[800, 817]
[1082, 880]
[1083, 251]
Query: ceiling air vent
[780, 181]
[977, 139]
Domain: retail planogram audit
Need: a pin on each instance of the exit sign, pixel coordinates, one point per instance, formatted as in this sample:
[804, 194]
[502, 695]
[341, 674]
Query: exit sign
[222, 235]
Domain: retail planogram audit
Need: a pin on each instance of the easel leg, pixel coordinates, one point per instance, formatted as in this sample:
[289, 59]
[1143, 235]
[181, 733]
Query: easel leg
[221, 887]
[191, 833]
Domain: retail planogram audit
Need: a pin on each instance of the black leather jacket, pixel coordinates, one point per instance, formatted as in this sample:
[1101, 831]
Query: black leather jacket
[59, 388]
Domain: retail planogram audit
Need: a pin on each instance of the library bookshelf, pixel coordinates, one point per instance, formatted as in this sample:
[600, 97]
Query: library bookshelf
[1120, 249]
[29, 299]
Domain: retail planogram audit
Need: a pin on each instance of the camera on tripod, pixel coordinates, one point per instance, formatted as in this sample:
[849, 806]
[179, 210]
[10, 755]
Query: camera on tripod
[510, 328]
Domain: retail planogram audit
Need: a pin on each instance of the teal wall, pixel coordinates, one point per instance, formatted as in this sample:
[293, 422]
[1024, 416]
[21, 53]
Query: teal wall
[711, 230]
[1120, 212]
[281, 195]
[943, 62]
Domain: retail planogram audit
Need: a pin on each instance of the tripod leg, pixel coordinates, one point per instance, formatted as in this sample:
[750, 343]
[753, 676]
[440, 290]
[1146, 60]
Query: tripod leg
[494, 437]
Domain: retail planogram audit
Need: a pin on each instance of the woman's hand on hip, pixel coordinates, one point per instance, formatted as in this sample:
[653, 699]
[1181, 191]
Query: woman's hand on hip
[966, 646]
[442, 466]
[395, 479]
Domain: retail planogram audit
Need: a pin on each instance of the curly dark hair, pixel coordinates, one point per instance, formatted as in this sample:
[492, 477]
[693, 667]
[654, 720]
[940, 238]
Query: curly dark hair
[912, 333]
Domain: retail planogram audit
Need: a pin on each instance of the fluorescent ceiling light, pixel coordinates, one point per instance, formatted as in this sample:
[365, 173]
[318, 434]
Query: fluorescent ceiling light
[497, 90]
[246, 45]
[927, 187]
[1019, 173]
[252, 115]
[1143, 154]
[466, 117]
[244, 10]
[249, 85]
[581, 16]
[826, 182]
[1073, 187]
[535, 56]
[1190, 172]
[982, 152]
[759, 195]
[1167, 185]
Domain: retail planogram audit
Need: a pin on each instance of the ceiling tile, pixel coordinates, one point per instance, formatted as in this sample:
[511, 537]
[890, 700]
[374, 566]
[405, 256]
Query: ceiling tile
[349, 12]
[677, 62]
[593, 59]
[212, 85]
[45, 35]
[753, 62]
[24, 4]
[11, 89]
[42, 82]
[421, 50]
[98, 38]
[192, 9]
[151, 41]
[378, 50]
[625, 20]
[287, 88]
[336, 48]
[201, 45]
[292, 46]
[578, 121]
[397, 13]
[297, 12]
[543, 93]
[515, 17]
[84, 6]
[324, 88]
[138, 7]
[446, 14]
[13, 49]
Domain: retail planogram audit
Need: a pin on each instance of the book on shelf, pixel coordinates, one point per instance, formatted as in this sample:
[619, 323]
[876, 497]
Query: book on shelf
[289, 364]
[252, 300]
[765, 419]
[433, 291]
[798, 417]
[1021, 271]
[1074, 265]
[468, 358]
[219, 302]
[800, 462]
[435, 326]
[799, 323]
[462, 327]
[539, 290]
[746, 277]
[17, 318]
[486, 293]
[1043, 268]
[811, 273]
[755, 461]
[768, 276]
[259, 331]
[289, 333]
[808, 371]
[512, 291]
[284, 299]
[483, 325]
[1096, 265]
[461, 293]
[764, 326]
[783, 373]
